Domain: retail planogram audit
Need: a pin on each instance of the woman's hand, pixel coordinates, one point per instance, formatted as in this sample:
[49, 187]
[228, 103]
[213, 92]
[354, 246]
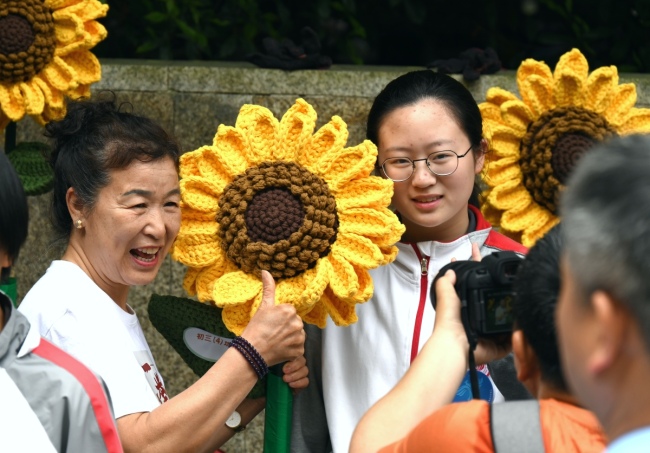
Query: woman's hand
[276, 331]
[295, 374]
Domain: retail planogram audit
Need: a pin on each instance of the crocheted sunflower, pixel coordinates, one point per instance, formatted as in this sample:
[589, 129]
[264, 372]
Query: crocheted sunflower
[44, 55]
[272, 195]
[535, 142]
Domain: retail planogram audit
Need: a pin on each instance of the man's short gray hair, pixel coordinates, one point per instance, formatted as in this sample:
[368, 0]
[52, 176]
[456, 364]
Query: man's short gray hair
[605, 214]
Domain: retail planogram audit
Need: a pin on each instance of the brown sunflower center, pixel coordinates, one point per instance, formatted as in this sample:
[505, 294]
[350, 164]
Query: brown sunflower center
[553, 146]
[278, 217]
[27, 40]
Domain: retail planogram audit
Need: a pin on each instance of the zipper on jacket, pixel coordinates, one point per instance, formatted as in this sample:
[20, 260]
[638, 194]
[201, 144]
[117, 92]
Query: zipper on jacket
[424, 284]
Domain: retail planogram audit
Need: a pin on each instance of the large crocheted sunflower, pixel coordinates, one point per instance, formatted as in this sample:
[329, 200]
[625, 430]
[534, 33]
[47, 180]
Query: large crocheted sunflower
[535, 142]
[44, 55]
[272, 195]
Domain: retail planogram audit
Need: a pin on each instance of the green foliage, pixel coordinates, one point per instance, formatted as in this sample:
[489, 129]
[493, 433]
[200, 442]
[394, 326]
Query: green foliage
[393, 32]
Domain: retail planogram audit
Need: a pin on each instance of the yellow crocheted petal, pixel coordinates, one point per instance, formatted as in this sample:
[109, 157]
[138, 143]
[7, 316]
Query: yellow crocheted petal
[380, 225]
[357, 250]
[33, 98]
[517, 115]
[86, 66]
[352, 163]
[316, 316]
[490, 111]
[209, 275]
[189, 164]
[504, 143]
[213, 166]
[342, 313]
[325, 146]
[390, 253]
[532, 235]
[201, 194]
[11, 101]
[532, 68]
[510, 195]
[237, 317]
[491, 214]
[81, 92]
[60, 75]
[85, 9]
[342, 277]
[574, 63]
[314, 282]
[620, 104]
[370, 192]
[69, 31]
[296, 128]
[502, 170]
[231, 150]
[53, 97]
[260, 128]
[570, 79]
[50, 114]
[498, 96]
[235, 288]
[601, 86]
[197, 243]
[94, 33]
[531, 216]
[637, 122]
[537, 93]
[189, 281]
[366, 287]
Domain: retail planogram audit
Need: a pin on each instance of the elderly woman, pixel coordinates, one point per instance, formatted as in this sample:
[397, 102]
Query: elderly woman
[116, 201]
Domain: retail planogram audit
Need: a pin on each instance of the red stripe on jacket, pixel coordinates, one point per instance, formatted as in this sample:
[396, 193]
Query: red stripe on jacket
[91, 385]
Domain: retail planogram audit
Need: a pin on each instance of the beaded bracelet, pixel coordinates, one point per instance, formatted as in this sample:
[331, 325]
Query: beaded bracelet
[251, 355]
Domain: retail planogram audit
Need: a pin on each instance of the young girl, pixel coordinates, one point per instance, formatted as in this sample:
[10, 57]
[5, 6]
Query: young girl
[428, 131]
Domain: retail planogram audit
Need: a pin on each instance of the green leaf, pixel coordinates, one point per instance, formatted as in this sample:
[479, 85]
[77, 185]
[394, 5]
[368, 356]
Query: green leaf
[156, 17]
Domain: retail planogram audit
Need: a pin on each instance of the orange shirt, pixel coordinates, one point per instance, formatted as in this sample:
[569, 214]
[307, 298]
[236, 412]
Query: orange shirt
[461, 427]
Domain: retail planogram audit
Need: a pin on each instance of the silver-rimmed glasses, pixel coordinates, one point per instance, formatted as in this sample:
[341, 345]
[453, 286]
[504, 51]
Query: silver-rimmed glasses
[440, 163]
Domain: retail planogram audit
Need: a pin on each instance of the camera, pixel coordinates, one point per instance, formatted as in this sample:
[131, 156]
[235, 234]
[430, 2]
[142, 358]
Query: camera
[485, 289]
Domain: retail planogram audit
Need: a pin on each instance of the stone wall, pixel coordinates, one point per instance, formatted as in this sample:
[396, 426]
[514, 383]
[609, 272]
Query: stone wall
[191, 100]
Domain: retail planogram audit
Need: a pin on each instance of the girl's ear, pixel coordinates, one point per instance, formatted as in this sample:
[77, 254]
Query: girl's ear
[479, 157]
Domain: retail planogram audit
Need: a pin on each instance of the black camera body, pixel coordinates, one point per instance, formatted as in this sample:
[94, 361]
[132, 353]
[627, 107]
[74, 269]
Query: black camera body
[485, 289]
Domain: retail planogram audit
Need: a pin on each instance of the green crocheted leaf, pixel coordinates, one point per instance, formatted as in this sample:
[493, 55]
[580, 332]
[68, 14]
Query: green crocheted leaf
[30, 161]
[172, 316]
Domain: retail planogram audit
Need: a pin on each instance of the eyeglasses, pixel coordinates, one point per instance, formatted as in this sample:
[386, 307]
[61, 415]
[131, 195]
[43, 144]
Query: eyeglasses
[440, 163]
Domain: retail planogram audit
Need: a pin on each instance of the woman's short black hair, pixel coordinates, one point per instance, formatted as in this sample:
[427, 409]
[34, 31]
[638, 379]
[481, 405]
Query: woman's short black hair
[14, 214]
[95, 137]
[416, 86]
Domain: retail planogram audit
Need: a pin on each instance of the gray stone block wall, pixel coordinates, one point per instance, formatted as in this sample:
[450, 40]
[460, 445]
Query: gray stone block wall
[191, 100]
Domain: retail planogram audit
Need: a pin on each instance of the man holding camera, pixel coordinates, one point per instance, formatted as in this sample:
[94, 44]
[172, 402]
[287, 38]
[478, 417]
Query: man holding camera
[426, 418]
[603, 312]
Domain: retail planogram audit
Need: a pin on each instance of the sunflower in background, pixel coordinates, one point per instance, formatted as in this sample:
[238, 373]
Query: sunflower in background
[272, 195]
[44, 56]
[536, 141]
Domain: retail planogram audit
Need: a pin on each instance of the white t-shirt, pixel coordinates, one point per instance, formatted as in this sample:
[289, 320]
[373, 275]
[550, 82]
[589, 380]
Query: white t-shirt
[71, 311]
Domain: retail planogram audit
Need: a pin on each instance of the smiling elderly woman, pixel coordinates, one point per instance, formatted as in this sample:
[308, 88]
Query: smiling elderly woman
[116, 201]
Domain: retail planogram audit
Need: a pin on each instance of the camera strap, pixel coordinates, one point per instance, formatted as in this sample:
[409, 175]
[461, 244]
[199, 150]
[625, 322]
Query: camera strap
[515, 427]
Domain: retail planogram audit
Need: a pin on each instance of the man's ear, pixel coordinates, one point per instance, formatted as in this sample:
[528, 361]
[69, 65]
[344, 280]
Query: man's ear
[525, 357]
[75, 207]
[612, 324]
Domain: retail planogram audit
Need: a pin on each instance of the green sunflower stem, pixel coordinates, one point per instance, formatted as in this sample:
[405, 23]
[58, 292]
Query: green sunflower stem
[10, 137]
[278, 413]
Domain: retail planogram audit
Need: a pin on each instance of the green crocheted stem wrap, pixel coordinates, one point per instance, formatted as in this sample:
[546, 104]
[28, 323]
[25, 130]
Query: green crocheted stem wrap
[30, 161]
[171, 315]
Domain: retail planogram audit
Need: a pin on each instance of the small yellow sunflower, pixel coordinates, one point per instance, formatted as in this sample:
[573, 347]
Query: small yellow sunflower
[272, 195]
[535, 142]
[44, 55]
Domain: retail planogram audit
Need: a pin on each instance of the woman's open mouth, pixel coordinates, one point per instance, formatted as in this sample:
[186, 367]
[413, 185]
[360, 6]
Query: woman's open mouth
[145, 255]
